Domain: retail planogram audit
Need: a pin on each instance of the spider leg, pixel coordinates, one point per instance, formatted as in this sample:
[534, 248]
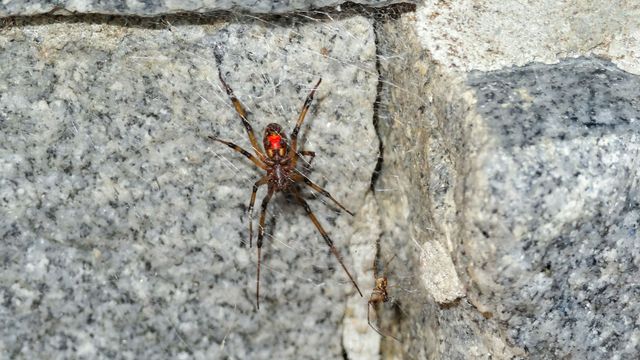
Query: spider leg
[299, 177]
[376, 261]
[326, 237]
[243, 115]
[309, 153]
[296, 130]
[242, 151]
[257, 184]
[307, 163]
[386, 264]
[370, 305]
[263, 213]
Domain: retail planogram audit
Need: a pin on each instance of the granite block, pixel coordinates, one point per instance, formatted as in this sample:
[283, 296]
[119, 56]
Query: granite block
[489, 35]
[504, 212]
[417, 191]
[124, 233]
[555, 196]
[164, 7]
[526, 179]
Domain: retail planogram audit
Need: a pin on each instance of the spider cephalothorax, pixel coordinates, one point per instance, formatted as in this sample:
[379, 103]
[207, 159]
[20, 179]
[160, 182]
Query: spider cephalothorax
[379, 292]
[279, 161]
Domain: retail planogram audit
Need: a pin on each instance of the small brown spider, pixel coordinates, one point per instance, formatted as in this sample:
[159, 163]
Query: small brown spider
[379, 295]
[279, 161]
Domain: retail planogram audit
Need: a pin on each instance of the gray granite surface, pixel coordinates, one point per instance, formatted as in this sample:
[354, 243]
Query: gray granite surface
[421, 128]
[123, 228]
[504, 214]
[556, 193]
[155, 8]
[489, 35]
[528, 178]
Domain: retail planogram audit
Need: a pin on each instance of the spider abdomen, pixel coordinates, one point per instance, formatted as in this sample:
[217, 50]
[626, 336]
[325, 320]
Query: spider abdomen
[279, 176]
[275, 142]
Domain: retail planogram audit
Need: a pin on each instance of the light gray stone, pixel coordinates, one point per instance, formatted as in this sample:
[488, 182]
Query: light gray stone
[555, 191]
[123, 226]
[505, 212]
[528, 177]
[490, 35]
[163, 7]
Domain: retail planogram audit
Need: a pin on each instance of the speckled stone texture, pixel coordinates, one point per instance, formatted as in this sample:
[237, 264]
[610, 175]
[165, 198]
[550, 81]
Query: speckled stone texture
[489, 35]
[123, 227]
[554, 194]
[162, 7]
[528, 179]
[504, 214]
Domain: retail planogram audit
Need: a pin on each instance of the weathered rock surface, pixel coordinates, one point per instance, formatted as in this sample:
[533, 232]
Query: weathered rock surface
[163, 7]
[123, 226]
[504, 214]
[528, 177]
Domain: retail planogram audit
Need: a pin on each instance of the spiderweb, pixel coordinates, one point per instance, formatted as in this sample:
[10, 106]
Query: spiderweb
[132, 225]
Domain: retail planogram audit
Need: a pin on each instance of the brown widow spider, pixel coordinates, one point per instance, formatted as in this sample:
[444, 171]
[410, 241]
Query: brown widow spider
[279, 161]
[379, 295]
